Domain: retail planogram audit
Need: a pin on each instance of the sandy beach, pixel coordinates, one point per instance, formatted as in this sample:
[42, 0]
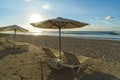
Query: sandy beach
[105, 49]
[103, 62]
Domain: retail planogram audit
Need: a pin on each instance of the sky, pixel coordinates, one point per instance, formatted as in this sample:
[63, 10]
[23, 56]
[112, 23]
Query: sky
[102, 15]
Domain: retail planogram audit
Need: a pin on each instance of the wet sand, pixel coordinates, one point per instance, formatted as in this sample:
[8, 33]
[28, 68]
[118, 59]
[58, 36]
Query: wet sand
[103, 62]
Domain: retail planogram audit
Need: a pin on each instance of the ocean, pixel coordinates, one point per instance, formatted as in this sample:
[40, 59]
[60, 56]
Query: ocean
[103, 35]
[109, 35]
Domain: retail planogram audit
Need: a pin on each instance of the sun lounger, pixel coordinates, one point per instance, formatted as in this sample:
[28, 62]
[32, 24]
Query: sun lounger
[53, 61]
[72, 62]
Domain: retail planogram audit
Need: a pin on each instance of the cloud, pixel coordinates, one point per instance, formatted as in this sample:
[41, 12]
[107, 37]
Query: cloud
[96, 18]
[8, 16]
[46, 6]
[27, 0]
[109, 18]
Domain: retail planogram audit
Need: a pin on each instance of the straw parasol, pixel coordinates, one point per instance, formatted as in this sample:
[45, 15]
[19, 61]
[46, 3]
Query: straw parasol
[14, 28]
[59, 23]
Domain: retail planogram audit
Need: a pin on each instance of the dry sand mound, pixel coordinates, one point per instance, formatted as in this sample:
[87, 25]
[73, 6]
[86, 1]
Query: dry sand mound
[19, 62]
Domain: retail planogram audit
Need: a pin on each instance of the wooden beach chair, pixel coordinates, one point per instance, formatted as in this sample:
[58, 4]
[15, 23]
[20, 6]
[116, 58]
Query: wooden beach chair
[53, 61]
[72, 62]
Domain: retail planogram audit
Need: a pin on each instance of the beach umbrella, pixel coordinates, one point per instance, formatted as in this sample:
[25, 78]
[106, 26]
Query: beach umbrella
[14, 28]
[59, 23]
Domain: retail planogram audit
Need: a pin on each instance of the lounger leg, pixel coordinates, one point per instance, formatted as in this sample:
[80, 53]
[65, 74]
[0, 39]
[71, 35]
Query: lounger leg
[76, 72]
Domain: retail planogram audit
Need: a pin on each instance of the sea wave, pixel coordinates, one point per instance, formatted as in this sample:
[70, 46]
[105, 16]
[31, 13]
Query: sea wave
[93, 32]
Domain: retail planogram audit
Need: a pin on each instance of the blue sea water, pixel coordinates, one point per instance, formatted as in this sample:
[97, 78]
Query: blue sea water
[105, 35]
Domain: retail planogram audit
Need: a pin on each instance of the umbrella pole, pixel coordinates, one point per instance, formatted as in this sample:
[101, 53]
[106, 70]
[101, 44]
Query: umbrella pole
[41, 64]
[14, 35]
[60, 41]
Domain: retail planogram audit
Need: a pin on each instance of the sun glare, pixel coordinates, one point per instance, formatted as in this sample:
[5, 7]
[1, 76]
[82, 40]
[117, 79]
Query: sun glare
[35, 31]
[32, 19]
[35, 18]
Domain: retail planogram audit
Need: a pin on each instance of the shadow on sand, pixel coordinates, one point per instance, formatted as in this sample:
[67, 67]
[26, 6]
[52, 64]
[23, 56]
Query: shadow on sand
[99, 76]
[12, 51]
[68, 75]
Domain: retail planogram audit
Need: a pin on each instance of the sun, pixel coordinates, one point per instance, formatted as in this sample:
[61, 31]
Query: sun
[35, 18]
